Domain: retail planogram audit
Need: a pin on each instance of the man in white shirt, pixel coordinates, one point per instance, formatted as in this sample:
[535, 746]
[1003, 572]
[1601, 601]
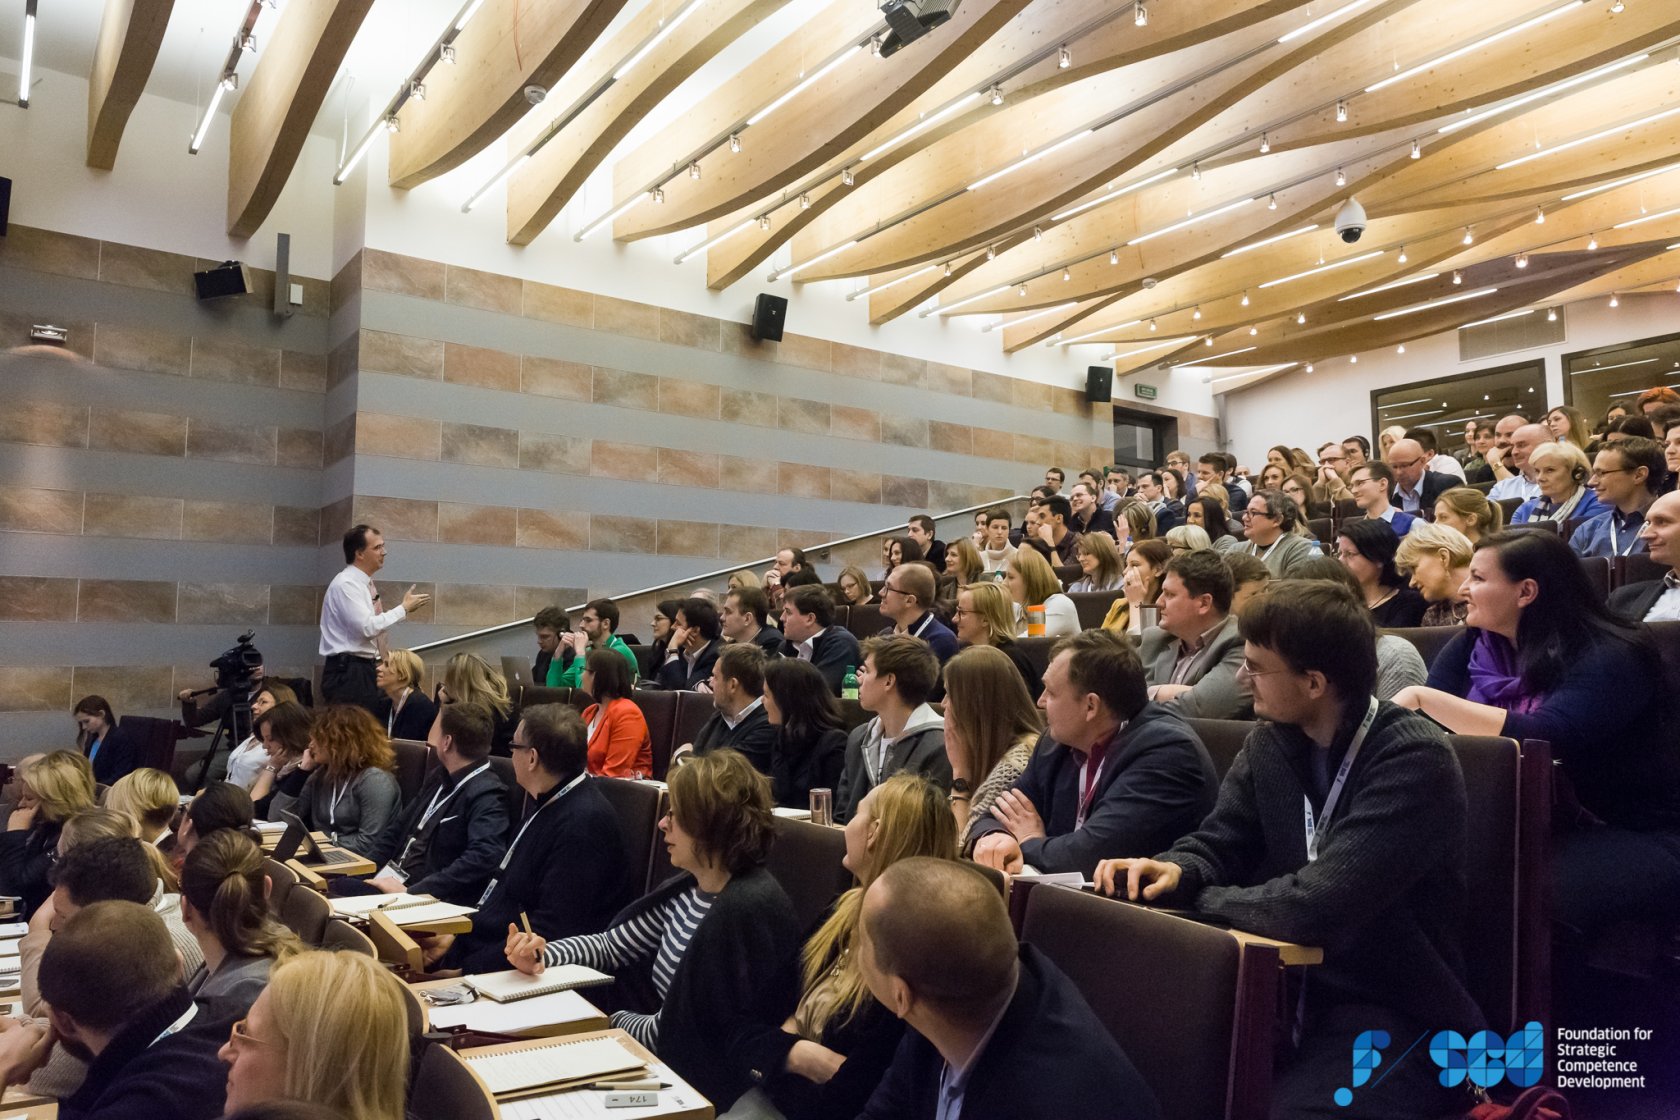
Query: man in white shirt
[1520, 483]
[352, 624]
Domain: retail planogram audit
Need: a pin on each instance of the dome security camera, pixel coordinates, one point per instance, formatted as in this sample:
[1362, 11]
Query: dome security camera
[1350, 221]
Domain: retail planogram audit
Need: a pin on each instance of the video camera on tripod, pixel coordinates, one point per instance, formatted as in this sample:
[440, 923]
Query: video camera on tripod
[236, 667]
[235, 670]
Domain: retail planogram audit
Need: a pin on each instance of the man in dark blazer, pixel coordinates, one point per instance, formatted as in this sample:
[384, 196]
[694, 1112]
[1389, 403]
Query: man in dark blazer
[447, 841]
[738, 720]
[695, 641]
[1656, 600]
[994, 1028]
[745, 618]
[906, 596]
[1191, 658]
[1415, 488]
[808, 624]
[1113, 773]
[921, 529]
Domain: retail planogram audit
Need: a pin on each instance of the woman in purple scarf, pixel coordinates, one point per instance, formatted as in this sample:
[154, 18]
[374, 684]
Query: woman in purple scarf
[1542, 657]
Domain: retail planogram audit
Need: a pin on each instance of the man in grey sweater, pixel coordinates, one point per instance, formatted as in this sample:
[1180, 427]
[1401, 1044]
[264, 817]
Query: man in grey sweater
[1269, 522]
[1341, 825]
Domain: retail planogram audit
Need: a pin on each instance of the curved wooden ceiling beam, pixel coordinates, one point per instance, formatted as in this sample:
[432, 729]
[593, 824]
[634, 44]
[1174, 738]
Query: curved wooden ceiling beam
[592, 120]
[271, 121]
[508, 45]
[130, 33]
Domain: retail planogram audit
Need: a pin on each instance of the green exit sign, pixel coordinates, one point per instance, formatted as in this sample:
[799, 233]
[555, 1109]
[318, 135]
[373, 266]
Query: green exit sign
[1144, 392]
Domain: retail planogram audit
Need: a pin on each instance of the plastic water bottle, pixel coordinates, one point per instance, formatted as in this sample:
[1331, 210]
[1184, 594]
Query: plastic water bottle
[849, 684]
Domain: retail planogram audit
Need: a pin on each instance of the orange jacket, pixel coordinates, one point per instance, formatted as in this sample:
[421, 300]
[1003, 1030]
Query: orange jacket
[620, 746]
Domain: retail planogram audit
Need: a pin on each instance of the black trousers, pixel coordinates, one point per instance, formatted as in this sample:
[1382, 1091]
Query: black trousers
[350, 680]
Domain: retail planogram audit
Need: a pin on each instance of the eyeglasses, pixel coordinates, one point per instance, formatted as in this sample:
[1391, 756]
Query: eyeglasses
[240, 1034]
[1252, 512]
[1399, 466]
[1247, 668]
[1617, 470]
[886, 587]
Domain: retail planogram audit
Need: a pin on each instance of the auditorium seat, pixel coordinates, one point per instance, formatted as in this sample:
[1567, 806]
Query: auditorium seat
[1037, 651]
[644, 658]
[805, 860]
[1667, 635]
[532, 696]
[281, 880]
[693, 710]
[1218, 995]
[1093, 606]
[1429, 640]
[1510, 506]
[638, 806]
[502, 767]
[446, 1089]
[1223, 738]
[155, 739]
[414, 763]
[1323, 528]
[1553, 527]
[1068, 573]
[865, 621]
[1344, 509]
[341, 935]
[659, 708]
[306, 913]
[1638, 568]
[1598, 572]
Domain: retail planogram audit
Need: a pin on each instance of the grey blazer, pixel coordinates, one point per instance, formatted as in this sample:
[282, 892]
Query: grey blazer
[1283, 559]
[1214, 692]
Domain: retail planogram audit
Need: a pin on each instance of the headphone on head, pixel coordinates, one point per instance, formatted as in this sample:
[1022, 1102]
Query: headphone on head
[1578, 473]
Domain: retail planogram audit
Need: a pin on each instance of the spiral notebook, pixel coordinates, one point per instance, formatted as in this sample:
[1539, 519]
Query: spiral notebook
[506, 987]
[552, 1063]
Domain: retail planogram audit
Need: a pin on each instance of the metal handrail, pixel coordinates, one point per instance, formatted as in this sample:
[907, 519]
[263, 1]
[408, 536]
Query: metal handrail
[425, 647]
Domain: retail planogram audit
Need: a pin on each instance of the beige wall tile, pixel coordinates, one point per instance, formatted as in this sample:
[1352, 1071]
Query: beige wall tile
[621, 534]
[856, 361]
[990, 443]
[146, 268]
[955, 438]
[44, 423]
[1034, 449]
[896, 369]
[298, 447]
[26, 509]
[904, 431]
[684, 329]
[37, 599]
[338, 441]
[558, 305]
[541, 528]
[344, 360]
[747, 542]
[404, 276]
[336, 519]
[802, 350]
[751, 476]
[230, 443]
[401, 437]
[229, 522]
[487, 291]
[397, 519]
[41, 250]
[304, 372]
[696, 399]
[215, 360]
[294, 525]
[738, 340]
[687, 538]
[126, 600]
[480, 446]
[630, 461]
[36, 688]
[540, 451]
[625, 317]
[464, 604]
[854, 423]
[740, 406]
[991, 387]
[233, 604]
[1030, 394]
[129, 515]
[127, 687]
[855, 486]
[486, 369]
[942, 378]
[912, 492]
[625, 389]
[527, 601]
[799, 480]
[808, 417]
[477, 525]
[122, 347]
[688, 468]
[383, 352]
[293, 605]
[800, 538]
[551, 377]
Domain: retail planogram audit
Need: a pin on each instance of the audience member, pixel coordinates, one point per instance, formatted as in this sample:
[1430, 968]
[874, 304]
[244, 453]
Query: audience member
[55, 787]
[742, 577]
[745, 617]
[991, 727]
[1183, 485]
[597, 629]
[1435, 461]
[151, 798]
[1476, 468]
[1509, 460]
[900, 551]
[620, 745]
[982, 1010]
[1415, 485]
[1377, 881]
[1033, 584]
[245, 761]
[565, 869]
[963, 563]
[469, 678]
[999, 551]
[1133, 521]
[810, 748]
[1207, 513]
[907, 601]
[549, 624]
[1155, 487]
[285, 737]
[1215, 468]
[1656, 600]
[112, 752]
[224, 903]
[406, 712]
[921, 529]
[1088, 514]
[354, 624]
[808, 626]
[1538, 659]
[1190, 659]
[1626, 479]
[897, 676]
[352, 793]
[720, 936]
[694, 647]
[855, 587]
[1330, 483]
[1437, 558]
[831, 1053]
[1630, 427]
[1560, 471]
[330, 1029]
[1366, 548]
[1140, 586]
[1652, 399]
[1249, 577]
[218, 806]
[985, 617]
[1358, 450]
[1188, 538]
[1113, 773]
[1371, 483]
[663, 616]
[1053, 479]
[1567, 425]
[1100, 561]
[1469, 511]
[1054, 531]
[1275, 530]
[788, 561]
[1298, 487]
[738, 721]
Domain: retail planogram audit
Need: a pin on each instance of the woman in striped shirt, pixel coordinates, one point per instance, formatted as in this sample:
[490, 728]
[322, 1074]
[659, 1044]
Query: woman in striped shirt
[719, 940]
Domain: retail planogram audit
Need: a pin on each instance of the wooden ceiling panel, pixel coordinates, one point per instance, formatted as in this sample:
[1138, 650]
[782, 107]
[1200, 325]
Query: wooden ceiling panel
[130, 33]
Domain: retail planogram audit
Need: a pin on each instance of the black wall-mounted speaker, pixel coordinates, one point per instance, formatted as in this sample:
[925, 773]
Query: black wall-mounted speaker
[5, 202]
[769, 317]
[226, 279]
[1099, 384]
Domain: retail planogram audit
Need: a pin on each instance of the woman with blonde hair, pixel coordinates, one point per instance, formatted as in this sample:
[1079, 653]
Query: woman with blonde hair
[1099, 559]
[329, 1029]
[744, 578]
[224, 904]
[151, 798]
[1033, 583]
[406, 711]
[1561, 471]
[836, 1046]
[1272, 476]
[985, 616]
[55, 787]
[1387, 437]
[246, 760]
[1134, 521]
[991, 727]
[351, 792]
[1437, 558]
[854, 586]
[469, 677]
[962, 560]
[1468, 510]
[1188, 538]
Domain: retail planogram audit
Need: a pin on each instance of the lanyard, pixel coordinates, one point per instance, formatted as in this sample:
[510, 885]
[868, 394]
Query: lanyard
[1616, 539]
[186, 1017]
[926, 622]
[1336, 786]
[338, 795]
[1254, 549]
[506, 859]
[391, 720]
[439, 800]
[1090, 780]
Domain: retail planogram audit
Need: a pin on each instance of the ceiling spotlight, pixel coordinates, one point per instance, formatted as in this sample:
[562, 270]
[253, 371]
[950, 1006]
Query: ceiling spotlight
[1252, 331]
[1614, 301]
[446, 53]
[1469, 236]
[735, 141]
[1208, 340]
[248, 44]
[1618, 7]
[1038, 233]
[1458, 277]
[694, 169]
[1245, 299]
[1197, 314]
[1403, 257]
[764, 221]
[1300, 318]
[1065, 59]
[1592, 241]
[1401, 349]
[1271, 203]
[1309, 367]
[1522, 260]
[947, 268]
[1114, 256]
[875, 45]
[392, 124]
[1354, 360]
[1540, 217]
[417, 90]
[1140, 15]
[996, 94]
[1022, 290]
[1196, 172]
[1067, 274]
[1341, 112]
[1265, 143]
[1341, 177]
[657, 194]
[1551, 314]
[991, 252]
[231, 82]
[1152, 324]
[846, 177]
[804, 201]
[1417, 150]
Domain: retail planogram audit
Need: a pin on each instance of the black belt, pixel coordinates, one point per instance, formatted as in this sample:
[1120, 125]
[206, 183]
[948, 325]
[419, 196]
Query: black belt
[352, 656]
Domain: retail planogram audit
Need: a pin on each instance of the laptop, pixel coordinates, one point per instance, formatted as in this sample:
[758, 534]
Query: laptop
[296, 836]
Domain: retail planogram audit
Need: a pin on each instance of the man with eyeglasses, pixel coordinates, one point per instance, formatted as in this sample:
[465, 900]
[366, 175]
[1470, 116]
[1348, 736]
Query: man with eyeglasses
[1269, 522]
[905, 598]
[1341, 825]
[1416, 486]
[1190, 659]
[1333, 471]
[1371, 483]
[1626, 477]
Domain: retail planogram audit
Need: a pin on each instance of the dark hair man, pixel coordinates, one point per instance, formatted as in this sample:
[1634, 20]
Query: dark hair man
[549, 624]
[808, 626]
[695, 641]
[738, 719]
[897, 676]
[745, 618]
[1376, 874]
[1113, 771]
[1191, 658]
[921, 529]
[936, 949]
[353, 624]
[1626, 477]
[597, 629]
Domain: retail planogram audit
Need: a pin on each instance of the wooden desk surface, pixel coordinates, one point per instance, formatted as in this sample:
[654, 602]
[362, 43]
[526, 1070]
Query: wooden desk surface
[594, 1022]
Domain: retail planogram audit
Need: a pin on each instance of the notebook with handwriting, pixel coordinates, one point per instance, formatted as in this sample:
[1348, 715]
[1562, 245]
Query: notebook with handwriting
[506, 987]
[552, 1063]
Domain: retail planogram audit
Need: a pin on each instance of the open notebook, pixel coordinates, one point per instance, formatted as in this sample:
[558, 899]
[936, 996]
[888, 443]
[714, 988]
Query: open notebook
[402, 909]
[532, 1014]
[552, 1063]
[510, 986]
